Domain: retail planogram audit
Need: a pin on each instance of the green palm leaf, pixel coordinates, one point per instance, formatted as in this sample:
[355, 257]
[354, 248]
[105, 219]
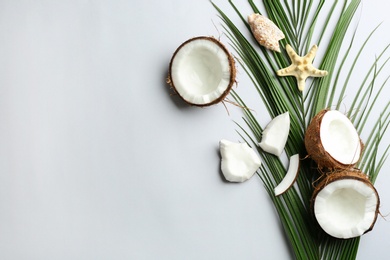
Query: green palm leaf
[300, 20]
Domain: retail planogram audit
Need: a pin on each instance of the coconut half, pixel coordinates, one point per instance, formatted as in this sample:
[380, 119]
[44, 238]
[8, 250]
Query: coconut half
[275, 134]
[332, 141]
[290, 176]
[238, 161]
[202, 71]
[346, 204]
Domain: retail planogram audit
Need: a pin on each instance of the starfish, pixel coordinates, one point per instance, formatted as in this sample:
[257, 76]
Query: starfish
[301, 67]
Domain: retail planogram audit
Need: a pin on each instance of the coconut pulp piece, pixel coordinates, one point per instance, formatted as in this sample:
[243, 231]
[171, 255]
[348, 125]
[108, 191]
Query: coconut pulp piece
[346, 204]
[202, 71]
[332, 140]
[265, 31]
[301, 67]
[290, 177]
[275, 134]
[238, 161]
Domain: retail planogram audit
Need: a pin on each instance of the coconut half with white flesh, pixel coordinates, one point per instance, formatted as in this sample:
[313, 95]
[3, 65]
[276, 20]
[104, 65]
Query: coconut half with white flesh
[239, 162]
[275, 134]
[290, 176]
[332, 141]
[345, 204]
[202, 71]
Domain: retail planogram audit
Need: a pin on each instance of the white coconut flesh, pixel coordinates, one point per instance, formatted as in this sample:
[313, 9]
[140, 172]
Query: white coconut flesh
[340, 138]
[275, 134]
[290, 176]
[239, 162]
[346, 208]
[201, 71]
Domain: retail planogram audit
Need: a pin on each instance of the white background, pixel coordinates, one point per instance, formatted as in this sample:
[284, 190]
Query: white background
[98, 161]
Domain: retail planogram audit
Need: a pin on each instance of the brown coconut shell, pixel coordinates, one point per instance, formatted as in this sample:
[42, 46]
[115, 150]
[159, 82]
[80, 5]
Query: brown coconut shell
[315, 148]
[231, 66]
[354, 174]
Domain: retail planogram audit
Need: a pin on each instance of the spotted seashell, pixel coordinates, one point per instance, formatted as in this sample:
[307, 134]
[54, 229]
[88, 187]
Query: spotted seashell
[265, 31]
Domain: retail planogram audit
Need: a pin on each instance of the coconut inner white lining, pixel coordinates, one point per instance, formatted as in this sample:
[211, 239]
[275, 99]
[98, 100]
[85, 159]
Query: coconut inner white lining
[346, 208]
[201, 71]
[339, 137]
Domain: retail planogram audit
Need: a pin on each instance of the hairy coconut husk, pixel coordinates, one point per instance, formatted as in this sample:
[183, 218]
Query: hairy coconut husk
[231, 65]
[315, 149]
[354, 174]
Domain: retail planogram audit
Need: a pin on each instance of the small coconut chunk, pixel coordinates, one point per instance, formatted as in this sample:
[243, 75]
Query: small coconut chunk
[238, 161]
[346, 206]
[202, 71]
[290, 177]
[275, 134]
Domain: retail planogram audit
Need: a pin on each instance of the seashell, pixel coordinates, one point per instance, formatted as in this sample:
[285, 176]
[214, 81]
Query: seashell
[265, 31]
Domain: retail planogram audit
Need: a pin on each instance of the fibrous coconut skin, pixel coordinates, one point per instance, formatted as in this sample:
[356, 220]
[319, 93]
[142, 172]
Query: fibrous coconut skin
[290, 176]
[275, 134]
[345, 204]
[238, 161]
[202, 71]
[265, 31]
[340, 148]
